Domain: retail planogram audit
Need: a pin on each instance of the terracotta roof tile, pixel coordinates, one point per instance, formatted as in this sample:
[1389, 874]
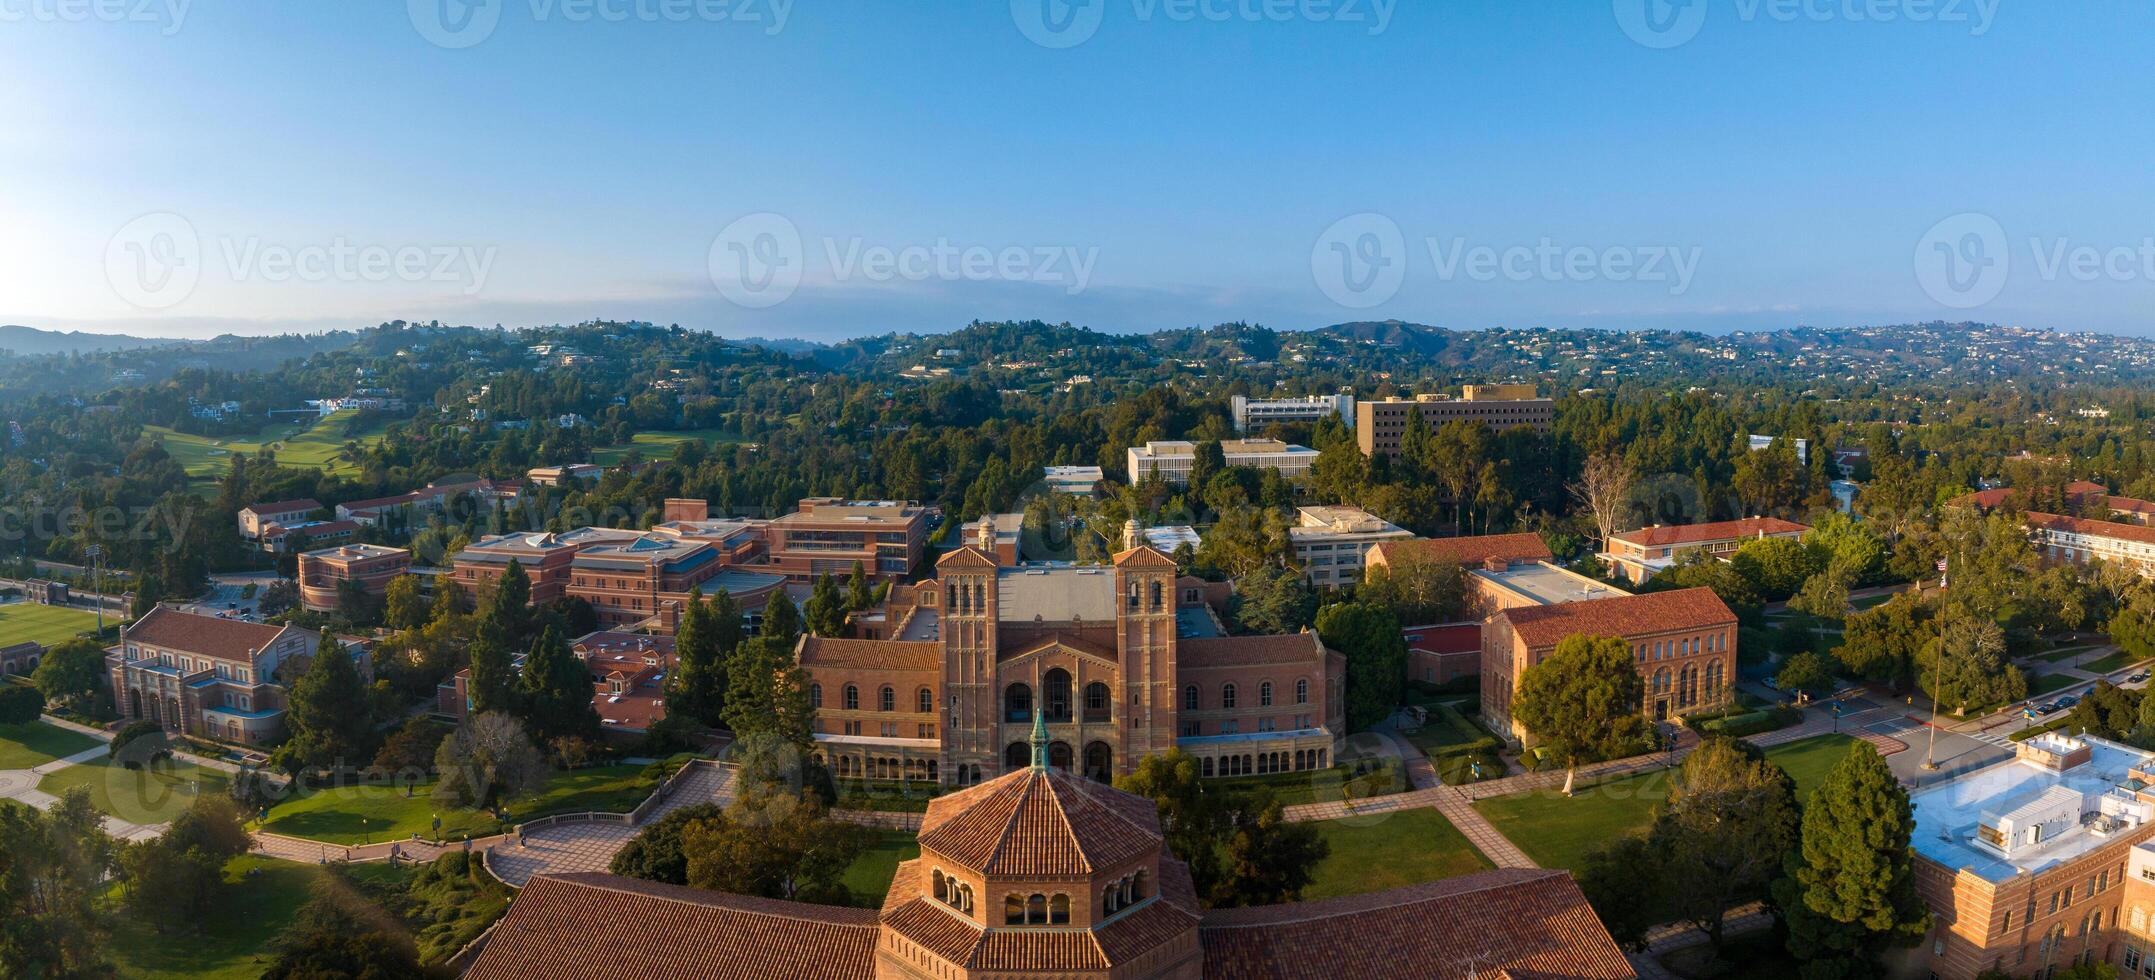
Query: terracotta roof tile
[1673, 534]
[1040, 823]
[2093, 528]
[1244, 651]
[284, 506]
[1634, 615]
[666, 932]
[822, 651]
[1470, 550]
[1509, 922]
[212, 636]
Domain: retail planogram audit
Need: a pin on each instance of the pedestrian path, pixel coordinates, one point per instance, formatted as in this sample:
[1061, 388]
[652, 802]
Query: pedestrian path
[20, 785]
[590, 845]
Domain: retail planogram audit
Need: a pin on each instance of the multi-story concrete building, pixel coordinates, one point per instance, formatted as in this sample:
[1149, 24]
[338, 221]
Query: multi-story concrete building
[1380, 425]
[1683, 641]
[255, 518]
[1171, 460]
[306, 534]
[829, 534]
[211, 677]
[1038, 873]
[2039, 863]
[1642, 554]
[323, 574]
[1077, 481]
[630, 578]
[1125, 661]
[1329, 542]
[1253, 414]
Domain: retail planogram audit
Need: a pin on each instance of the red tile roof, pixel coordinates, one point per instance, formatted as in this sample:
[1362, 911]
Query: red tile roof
[1040, 822]
[1674, 534]
[211, 636]
[652, 931]
[826, 651]
[1994, 498]
[2130, 505]
[1634, 615]
[2093, 528]
[1471, 550]
[912, 912]
[284, 506]
[1513, 922]
[1197, 653]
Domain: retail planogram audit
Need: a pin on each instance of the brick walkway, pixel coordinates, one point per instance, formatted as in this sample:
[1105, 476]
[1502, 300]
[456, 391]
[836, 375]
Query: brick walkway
[589, 845]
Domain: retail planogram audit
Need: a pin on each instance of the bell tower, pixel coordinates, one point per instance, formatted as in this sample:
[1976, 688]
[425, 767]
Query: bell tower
[1145, 633]
[967, 628]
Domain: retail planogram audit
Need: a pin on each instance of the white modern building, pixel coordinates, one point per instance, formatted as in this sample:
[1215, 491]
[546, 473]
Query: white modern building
[1078, 481]
[1171, 461]
[1329, 542]
[1256, 413]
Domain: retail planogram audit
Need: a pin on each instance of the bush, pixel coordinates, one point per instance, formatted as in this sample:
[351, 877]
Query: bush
[20, 705]
[153, 746]
[2034, 730]
[1752, 722]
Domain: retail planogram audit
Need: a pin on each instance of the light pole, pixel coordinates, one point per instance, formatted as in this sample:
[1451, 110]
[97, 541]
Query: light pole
[96, 553]
[1930, 751]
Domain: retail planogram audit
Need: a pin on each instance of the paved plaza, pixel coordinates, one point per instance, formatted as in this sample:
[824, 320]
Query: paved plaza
[589, 845]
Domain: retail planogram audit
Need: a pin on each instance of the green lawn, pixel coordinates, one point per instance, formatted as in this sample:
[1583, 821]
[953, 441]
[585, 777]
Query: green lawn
[37, 743]
[869, 877]
[659, 445]
[1559, 833]
[145, 796]
[2062, 654]
[2115, 661]
[234, 942]
[1871, 601]
[1404, 847]
[312, 443]
[49, 625]
[359, 814]
[2046, 683]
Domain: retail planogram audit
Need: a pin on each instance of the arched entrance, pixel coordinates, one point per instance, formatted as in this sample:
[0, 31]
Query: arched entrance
[1017, 756]
[1055, 687]
[1099, 762]
[1059, 755]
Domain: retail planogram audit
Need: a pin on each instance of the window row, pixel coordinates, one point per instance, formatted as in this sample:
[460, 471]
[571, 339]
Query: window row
[886, 699]
[1193, 699]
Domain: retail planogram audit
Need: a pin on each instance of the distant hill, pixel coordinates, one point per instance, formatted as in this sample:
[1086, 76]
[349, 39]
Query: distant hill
[30, 341]
[1415, 337]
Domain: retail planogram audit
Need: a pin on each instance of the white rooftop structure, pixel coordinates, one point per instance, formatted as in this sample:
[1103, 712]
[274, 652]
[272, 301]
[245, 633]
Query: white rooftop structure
[1168, 537]
[2060, 797]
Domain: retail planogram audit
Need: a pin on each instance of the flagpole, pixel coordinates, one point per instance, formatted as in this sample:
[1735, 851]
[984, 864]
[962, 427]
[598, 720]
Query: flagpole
[1930, 752]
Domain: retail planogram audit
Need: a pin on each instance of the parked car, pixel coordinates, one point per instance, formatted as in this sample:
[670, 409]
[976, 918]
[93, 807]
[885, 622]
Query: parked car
[2067, 702]
[2137, 677]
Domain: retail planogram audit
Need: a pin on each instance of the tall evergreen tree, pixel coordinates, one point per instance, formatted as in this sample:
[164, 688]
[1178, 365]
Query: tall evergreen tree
[767, 691]
[826, 609]
[331, 726]
[859, 594]
[556, 691]
[492, 686]
[781, 621]
[449, 600]
[509, 607]
[1849, 889]
[697, 689]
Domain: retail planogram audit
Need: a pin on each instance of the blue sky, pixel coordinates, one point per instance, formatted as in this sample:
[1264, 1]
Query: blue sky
[182, 168]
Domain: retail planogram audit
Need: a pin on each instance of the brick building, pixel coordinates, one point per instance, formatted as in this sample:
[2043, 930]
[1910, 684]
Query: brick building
[632, 579]
[212, 677]
[254, 518]
[1684, 642]
[323, 573]
[628, 674]
[2079, 540]
[1125, 659]
[1036, 874]
[828, 535]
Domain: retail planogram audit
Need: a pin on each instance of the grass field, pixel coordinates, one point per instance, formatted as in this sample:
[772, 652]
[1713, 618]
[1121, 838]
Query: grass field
[659, 445]
[869, 876]
[1559, 833]
[312, 443]
[2039, 686]
[49, 625]
[2062, 654]
[2104, 665]
[37, 743]
[359, 814]
[145, 796]
[234, 942]
[1405, 847]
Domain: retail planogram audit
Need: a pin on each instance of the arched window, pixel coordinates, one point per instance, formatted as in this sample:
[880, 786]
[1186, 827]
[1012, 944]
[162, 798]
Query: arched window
[1055, 691]
[965, 898]
[1017, 703]
[1059, 910]
[1301, 691]
[1137, 885]
[1036, 910]
[926, 700]
[853, 698]
[1227, 695]
[1013, 910]
[1661, 681]
[1189, 698]
[815, 695]
[886, 699]
[1264, 695]
[942, 885]
[1158, 595]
